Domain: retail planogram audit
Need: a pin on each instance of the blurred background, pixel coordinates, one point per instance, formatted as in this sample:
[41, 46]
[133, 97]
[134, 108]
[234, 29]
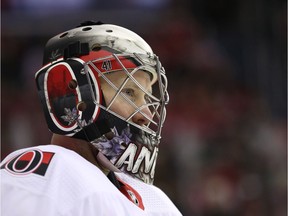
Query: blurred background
[223, 151]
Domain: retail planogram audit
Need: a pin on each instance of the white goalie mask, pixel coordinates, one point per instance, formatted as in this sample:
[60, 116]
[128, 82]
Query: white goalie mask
[77, 65]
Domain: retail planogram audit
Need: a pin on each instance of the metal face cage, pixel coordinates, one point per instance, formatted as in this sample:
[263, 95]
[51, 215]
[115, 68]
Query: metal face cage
[155, 101]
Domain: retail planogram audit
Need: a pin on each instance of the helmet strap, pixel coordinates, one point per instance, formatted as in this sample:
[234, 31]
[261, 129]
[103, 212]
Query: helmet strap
[93, 131]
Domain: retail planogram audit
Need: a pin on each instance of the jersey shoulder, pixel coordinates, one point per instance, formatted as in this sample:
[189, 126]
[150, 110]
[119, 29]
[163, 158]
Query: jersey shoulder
[52, 169]
[50, 161]
[56, 181]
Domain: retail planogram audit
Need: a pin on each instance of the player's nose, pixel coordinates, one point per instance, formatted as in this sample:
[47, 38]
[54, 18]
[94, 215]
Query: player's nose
[143, 117]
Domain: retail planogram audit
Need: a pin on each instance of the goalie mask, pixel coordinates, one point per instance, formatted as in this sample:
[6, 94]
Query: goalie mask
[103, 83]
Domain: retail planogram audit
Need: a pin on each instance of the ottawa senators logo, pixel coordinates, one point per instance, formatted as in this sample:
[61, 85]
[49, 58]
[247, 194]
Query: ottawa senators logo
[33, 161]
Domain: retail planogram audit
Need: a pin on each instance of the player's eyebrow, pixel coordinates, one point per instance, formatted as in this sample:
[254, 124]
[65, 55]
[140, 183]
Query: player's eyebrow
[132, 84]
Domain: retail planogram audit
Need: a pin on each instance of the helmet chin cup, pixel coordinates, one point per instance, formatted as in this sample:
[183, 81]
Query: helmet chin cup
[69, 88]
[128, 148]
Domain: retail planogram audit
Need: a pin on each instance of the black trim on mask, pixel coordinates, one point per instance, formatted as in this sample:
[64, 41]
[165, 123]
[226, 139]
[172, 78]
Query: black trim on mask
[93, 131]
[76, 49]
[89, 23]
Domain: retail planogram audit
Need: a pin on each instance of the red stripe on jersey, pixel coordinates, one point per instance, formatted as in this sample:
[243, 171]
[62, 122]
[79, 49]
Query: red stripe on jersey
[131, 194]
[47, 156]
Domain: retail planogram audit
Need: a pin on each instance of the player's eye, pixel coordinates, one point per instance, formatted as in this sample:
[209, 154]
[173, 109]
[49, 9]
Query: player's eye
[129, 92]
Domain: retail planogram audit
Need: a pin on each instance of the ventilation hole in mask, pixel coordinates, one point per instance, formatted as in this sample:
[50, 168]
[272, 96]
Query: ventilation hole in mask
[73, 84]
[86, 29]
[109, 30]
[96, 47]
[63, 35]
[81, 106]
